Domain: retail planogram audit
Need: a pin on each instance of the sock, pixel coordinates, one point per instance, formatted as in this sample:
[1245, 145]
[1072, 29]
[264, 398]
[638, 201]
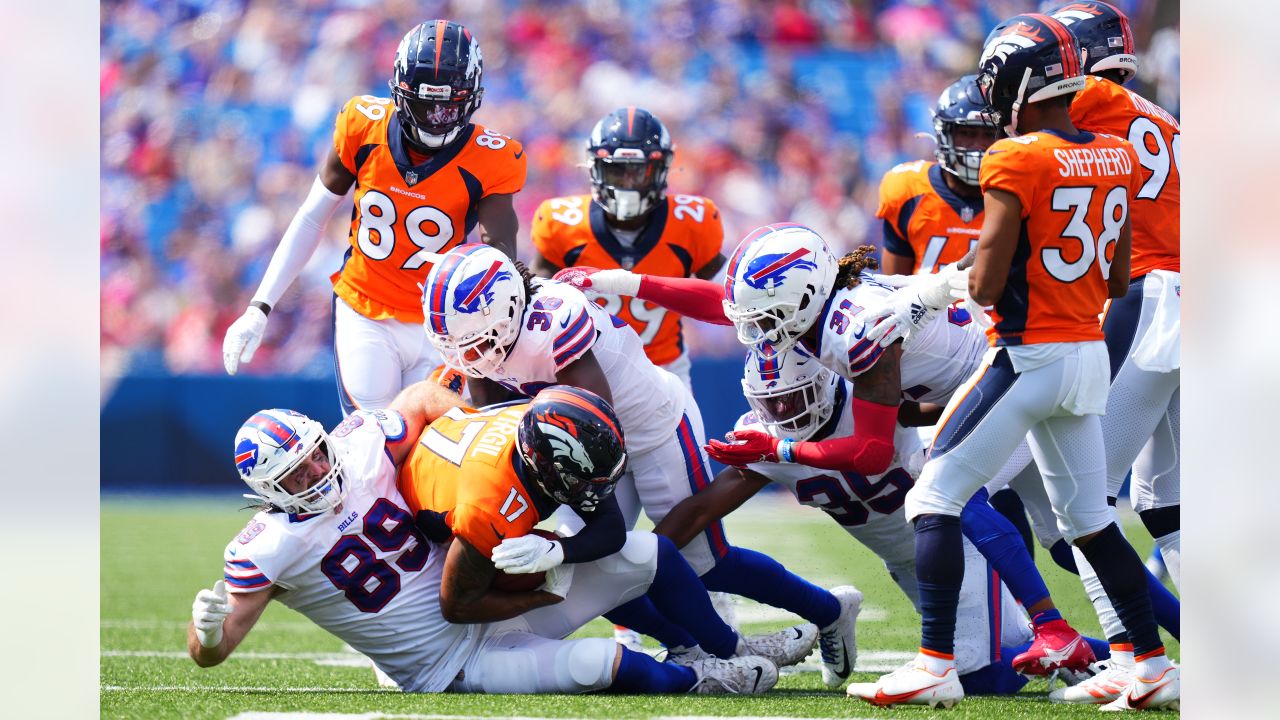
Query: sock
[1120, 571]
[998, 541]
[1171, 551]
[641, 615]
[940, 571]
[1122, 654]
[1046, 616]
[757, 576]
[1007, 503]
[936, 662]
[1151, 664]
[639, 673]
[1165, 605]
[678, 594]
[1061, 554]
[1111, 626]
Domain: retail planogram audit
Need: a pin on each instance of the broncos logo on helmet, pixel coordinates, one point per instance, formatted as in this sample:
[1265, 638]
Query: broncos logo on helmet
[770, 269]
[468, 293]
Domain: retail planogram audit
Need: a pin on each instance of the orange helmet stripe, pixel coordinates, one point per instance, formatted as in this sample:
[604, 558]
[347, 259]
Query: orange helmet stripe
[573, 399]
[441, 26]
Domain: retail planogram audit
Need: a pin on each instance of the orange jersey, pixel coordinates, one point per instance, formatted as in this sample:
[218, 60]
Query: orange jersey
[1106, 107]
[405, 212]
[924, 219]
[684, 234]
[462, 471]
[1075, 195]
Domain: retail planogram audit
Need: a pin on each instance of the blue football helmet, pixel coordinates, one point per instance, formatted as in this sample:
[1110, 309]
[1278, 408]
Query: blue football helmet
[1102, 31]
[630, 153]
[572, 446]
[436, 82]
[1026, 59]
[961, 105]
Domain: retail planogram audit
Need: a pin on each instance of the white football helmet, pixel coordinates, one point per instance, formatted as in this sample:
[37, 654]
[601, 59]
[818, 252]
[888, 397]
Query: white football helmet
[792, 394]
[270, 444]
[776, 284]
[473, 303]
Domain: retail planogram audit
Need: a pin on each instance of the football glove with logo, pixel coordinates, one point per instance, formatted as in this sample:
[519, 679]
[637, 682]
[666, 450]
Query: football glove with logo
[527, 554]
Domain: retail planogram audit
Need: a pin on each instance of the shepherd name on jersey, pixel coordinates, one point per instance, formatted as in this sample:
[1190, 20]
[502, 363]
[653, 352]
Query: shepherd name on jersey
[1106, 107]
[925, 219]
[936, 359]
[462, 472]
[560, 326]
[1075, 192]
[405, 212]
[362, 571]
[683, 235]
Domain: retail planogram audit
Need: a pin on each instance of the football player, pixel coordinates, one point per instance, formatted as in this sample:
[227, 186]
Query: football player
[932, 211]
[424, 177]
[1142, 328]
[1055, 245]
[629, 221]
[335, 541]
[514, 334]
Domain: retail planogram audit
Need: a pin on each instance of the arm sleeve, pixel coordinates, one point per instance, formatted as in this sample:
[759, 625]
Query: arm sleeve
[691, 297]
[604, 534]
[298, 244]
[868, 452]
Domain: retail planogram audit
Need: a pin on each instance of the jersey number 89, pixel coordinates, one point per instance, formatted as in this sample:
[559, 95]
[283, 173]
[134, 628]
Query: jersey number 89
[353, 567]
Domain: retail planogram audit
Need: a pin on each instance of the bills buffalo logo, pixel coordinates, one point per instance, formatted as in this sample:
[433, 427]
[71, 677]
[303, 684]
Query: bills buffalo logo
[769, 271]
[250, 532]
[246, 456]
[469, 294]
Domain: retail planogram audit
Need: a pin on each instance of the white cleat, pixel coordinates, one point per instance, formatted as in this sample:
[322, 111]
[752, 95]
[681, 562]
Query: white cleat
[743, 675]
[686, 656]
[726, 606]
[838, 642]
[911, 684]
[1109, 680]
[1157, 693]
[784, 647]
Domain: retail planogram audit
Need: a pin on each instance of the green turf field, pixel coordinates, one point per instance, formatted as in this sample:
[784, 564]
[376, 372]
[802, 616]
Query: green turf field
[157, 553]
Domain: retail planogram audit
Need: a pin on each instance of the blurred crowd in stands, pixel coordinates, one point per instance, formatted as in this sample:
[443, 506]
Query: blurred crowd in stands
[215, 114]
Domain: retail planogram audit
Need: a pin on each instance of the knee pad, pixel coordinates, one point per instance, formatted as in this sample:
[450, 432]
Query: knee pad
[585, 665]
[1162, 521]
[639, 554]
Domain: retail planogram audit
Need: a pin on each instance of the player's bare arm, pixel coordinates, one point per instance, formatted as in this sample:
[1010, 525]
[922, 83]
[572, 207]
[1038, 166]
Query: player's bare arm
[419, 404]
[691, 516]
[246, 608]
[487, 392]
[1118, 280]
[542, 267]
[498, 222]
[895, 264]
[996, 245]
[465, 594]
[709, 271]
[335, 176]
[586, 373]
[882, 382]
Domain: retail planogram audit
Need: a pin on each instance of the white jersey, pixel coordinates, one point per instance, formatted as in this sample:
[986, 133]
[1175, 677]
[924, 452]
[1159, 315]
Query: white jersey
[935, 360]
[361, 571]
[561, 325]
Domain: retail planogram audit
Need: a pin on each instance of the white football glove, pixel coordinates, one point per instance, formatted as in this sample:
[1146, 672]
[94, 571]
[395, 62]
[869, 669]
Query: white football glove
[242, 338]
[527, 554]
[208, 612]
[558, 580]
[913, 306]
[614, 281]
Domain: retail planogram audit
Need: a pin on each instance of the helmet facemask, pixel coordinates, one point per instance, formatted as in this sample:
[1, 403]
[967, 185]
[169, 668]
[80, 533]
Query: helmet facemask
[434, 117]
[563, 484]
[627, 184]
[775, 327]
[962, 156]
[794, 400]
[315, 496]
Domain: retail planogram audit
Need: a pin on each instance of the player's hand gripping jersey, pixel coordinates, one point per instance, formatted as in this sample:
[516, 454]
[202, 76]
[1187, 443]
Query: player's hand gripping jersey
[1105, 107]
[363, 571]
[924, 218]
[935, 360]
[683, 235]
[1067, 186]
[463, 471]
[404, 211]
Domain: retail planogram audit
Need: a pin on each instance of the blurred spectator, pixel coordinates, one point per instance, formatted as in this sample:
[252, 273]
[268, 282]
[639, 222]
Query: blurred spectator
[215, 114]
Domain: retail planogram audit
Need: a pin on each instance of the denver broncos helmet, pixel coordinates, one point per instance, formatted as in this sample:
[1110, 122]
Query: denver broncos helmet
[472, 303]
[961, 105]
[436, 82]
[1026, 59]
[1102, 31]
[572, 445]
[630, 153]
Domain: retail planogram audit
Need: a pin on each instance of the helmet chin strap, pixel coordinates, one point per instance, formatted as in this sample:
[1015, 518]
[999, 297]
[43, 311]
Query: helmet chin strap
[434, 142]
[1012, 127]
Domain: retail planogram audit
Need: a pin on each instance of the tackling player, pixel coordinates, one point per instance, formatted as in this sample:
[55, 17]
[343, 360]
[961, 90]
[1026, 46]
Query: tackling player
[1054, 246]
[424, 177]
[336, 542]
[630, 222]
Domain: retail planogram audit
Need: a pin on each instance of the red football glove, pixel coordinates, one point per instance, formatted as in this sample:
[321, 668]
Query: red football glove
[579, 277]
[744, 447]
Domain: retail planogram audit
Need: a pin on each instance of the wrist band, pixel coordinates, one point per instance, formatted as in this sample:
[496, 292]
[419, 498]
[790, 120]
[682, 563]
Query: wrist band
[265, 308]
[784, 450]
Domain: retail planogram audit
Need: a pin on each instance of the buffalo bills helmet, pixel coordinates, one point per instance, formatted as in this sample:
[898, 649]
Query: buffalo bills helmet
[271, 445]
[792, 394]
[472, 303]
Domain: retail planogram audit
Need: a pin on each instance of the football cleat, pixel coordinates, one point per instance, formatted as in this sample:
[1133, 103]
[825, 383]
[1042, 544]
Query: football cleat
[784, 647]
[726, 606]
[1109, 680]
[1056, 645]
[1157, 693]
[911, 684]
[686, 656]
[838, 642]
[742, 675]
